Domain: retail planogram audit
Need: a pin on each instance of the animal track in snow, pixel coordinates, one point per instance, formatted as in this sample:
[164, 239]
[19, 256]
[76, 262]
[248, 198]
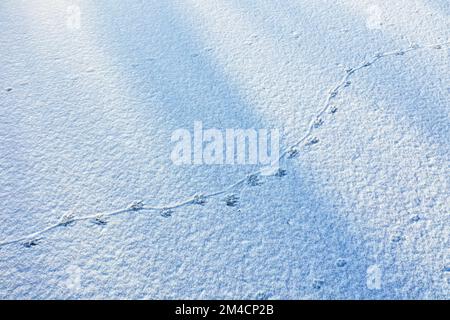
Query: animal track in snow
[199, 199]
[318, 123]
[136, 206]
[31, 243]
[254, 180]
[67, 219]
[312, 141]
[231, 200]
[341, 263]
[292, 151]
[99, 221]
[318, 284]
[166, 213]
[397, 238]
[333, 110]
[280, 173]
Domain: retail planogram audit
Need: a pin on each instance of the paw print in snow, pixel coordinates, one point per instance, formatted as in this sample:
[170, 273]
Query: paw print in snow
[31, 243]
[397, 238]
[292, 153]
[280, 173]
[350, 70]
[263, 296]
[341, 263]
[333, 94]
[137, 205]
[254, 180]
[333, 110]
[318, 123]
[101, 221]
[312, 141]
[66, 219]
[166, 213]
[199, 199]
[231, 200]
[318, 284]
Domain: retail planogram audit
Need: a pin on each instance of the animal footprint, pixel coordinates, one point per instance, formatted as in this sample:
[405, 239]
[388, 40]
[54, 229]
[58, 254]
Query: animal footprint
[350, 70]
[341, 263]
[333, 110]
[312, 141]
[166, 213]
[231, 200]
[199, 199]
[137, 205]
[318, 123]
[292, 153]
[397, 238]
[31, 243]
[333, 94]
[318, 284]
[254, 180]
[66, 219]
[280, 173]
[101, 221]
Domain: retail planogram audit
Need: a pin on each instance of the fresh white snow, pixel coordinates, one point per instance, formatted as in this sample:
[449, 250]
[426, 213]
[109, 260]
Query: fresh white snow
[93, 207]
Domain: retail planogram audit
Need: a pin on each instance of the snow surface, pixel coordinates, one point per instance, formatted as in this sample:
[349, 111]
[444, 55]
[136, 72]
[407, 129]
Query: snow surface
[87, 116]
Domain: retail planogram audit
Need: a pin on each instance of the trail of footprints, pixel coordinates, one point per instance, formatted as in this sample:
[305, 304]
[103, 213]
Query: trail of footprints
[255, 179]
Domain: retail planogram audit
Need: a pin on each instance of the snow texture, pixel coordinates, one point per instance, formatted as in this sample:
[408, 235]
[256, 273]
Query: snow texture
[93, 207]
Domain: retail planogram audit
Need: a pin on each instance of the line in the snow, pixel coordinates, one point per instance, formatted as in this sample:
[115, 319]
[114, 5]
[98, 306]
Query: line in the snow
[252, 178]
